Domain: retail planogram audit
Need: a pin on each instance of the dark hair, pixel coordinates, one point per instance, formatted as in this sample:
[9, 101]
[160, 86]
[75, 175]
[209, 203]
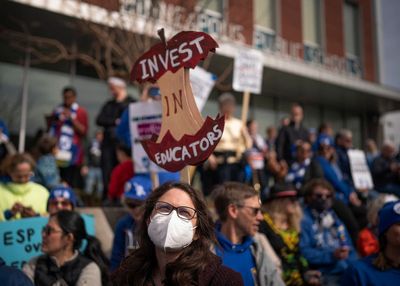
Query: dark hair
[72, 222]
[381, 262]
[138, 267]
[249, 122]
[46, 144]
[323, 126]
[124, 148]
[69, 88]
[309, 188]
[230, 193]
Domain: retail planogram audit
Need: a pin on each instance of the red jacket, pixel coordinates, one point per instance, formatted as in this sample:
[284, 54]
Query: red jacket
[119, 176]
[367, 242]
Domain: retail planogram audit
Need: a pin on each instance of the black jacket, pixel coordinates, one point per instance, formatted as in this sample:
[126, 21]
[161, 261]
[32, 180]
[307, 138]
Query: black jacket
[287, 137]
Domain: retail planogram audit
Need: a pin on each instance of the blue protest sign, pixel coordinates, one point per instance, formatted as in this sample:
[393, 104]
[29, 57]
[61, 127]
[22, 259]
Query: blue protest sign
[20, 240]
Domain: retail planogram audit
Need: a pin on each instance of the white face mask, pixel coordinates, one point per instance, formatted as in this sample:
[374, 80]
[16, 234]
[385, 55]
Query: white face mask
[170, 232]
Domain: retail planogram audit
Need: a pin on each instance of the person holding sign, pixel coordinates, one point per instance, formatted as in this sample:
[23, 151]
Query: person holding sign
[175, 237]
[62, 263]
[20, 197]
[227, 157]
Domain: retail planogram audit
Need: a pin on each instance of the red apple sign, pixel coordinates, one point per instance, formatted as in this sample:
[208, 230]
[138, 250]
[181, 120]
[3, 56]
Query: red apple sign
[185, 137]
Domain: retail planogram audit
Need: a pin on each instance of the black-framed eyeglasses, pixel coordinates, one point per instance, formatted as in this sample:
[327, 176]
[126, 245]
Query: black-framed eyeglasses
[183, 212]
[255, 210]
[48, 230]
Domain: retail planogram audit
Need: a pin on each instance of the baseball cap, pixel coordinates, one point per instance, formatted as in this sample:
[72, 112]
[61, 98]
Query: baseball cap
[138, 188]
[389, 215]
[63, 192]
[282, 190]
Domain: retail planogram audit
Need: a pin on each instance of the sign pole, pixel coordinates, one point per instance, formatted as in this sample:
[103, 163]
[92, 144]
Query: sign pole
[185, 174]
[155, 182]
[245, 107]
[24, 106]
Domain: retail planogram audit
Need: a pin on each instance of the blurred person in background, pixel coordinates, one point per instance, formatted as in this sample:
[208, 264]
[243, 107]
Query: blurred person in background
[289, 135]
[61, 262]
[297, 170]
[382, 268]
[120, 174]
[241, 247]
[46, 171]
[69, 124]
[61, 198]
[371, 151]
[270, 140]
[125, 240]
[343, 143]
[226, 162]
[386, 171]
[109, 118]
[92, 171]
[281, 225]
[20, 197]
[175, 237]
[6, 146]
[324, 240]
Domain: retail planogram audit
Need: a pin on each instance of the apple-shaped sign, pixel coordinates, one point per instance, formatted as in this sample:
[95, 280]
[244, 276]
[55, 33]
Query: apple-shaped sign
[185, 137]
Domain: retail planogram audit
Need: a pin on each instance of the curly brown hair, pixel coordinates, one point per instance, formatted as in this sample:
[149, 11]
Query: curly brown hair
[138, 268]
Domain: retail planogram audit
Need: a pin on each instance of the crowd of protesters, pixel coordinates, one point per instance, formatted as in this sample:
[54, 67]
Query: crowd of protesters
[283, 209]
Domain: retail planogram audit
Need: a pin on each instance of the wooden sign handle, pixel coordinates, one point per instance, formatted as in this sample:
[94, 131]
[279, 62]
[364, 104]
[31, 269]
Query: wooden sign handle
[245, 107]
[155, 182]
[185, 175]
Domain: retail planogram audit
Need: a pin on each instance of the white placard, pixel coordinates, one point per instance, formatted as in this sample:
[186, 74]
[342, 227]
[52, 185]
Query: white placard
[362, 178]
[144, 121]
[202, 83]
[248, 71]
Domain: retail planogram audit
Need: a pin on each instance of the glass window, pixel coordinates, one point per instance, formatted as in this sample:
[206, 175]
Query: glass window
[351, 29]
[311, 21]
[213, 5]
[264, 13]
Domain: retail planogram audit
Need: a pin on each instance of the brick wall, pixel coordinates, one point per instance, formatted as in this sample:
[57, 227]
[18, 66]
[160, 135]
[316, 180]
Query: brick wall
[367, 39]
[334, 33]
[241, 12]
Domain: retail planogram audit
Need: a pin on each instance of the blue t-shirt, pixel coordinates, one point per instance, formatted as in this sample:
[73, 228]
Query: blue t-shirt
[363, 273]
[238, 257]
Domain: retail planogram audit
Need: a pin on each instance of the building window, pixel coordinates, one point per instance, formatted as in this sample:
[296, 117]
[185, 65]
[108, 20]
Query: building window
[264, 24]
[352, 41]
[210, 16]
[311, 25]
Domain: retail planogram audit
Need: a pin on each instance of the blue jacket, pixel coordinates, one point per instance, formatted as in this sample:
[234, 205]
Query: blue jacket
[343, 162]
[46, 172]
[238, 257]
[124, 229]
[318, 243]
[10, 276]
[334, 176]
[363, 273]
[122, 130]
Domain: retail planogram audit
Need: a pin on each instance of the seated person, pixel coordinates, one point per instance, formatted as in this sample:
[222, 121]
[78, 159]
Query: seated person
[297, 170]
[238, 208]
[62, 263]
[281, 225]
[61, 198]
[382, 268]
[324, 240]
[386, 171]
[20, 197]
[136, 191]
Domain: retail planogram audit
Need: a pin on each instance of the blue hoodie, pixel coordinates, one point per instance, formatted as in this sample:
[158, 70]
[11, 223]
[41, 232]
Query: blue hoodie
[318, 243]
[237, 257]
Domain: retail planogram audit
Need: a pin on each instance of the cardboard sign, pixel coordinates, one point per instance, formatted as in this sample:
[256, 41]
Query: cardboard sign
[202, 83]
[248, 71]
[144, 122]
[362, 178]
[183, 129]
[21, 240]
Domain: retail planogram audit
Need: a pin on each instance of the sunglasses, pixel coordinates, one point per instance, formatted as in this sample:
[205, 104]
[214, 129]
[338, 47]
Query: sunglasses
[321, 196]
[183, 212]
[63, 204]
[255, 211]
[48, 230]
[132, 205]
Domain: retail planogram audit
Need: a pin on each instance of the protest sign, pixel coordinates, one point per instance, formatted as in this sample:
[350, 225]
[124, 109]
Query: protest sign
[21, 239]
[144, 121]
[248, 71]
[360, 173]
[202, 83]
[185, 138]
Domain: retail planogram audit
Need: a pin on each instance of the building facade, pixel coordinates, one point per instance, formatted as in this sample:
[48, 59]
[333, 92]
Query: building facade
[323, 54]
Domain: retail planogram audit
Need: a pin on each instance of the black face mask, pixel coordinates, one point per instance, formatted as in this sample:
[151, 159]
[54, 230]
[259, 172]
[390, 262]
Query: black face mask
[320, 204]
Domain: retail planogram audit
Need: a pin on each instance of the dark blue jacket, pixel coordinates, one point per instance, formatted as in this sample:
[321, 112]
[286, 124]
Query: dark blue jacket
[10, 276]
[318, 243]
[364, 273]
[343, 162]
[125, 228]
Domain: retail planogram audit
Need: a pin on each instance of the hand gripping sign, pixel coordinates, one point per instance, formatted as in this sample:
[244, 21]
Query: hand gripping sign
[185, 137]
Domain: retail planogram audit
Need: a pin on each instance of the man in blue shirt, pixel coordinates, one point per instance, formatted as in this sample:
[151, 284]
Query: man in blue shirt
[238, 208]
[381, 269]
[136, 191]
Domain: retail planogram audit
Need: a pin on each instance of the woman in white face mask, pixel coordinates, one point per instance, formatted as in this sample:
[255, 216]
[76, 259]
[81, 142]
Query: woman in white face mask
[175, 237]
